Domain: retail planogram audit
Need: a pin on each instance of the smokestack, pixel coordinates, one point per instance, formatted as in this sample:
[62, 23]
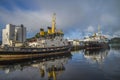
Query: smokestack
[42, 33]
[49, 30]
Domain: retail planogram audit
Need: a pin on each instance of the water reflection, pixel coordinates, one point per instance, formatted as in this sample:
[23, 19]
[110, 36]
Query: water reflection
[96, 56]
[50, 67]
[115, 46]
[95, 64]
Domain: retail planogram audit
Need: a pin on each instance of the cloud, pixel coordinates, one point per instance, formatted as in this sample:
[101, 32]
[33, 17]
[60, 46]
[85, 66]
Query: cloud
[77, 15]
[33, 20]
[108, 19]
[116, 34]
[90, 29]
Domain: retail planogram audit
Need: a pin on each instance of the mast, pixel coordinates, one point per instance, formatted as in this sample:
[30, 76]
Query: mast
[99, 30]
[53, 23]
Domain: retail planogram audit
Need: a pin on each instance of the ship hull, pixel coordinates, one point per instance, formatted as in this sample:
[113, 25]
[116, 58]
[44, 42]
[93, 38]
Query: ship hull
[94, 45]
[34, 53]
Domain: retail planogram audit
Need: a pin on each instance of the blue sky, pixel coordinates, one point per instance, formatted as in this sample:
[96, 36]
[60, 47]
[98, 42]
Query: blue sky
[77, 18]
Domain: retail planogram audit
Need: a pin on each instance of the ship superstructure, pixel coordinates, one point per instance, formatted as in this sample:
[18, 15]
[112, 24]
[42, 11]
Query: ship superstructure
[50, 38]
[97, 37]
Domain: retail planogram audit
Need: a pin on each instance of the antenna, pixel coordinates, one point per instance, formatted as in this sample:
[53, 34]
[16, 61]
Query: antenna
[99, 31]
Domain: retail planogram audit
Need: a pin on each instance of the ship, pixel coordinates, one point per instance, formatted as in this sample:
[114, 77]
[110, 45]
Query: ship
[96, 41]
[47, 43]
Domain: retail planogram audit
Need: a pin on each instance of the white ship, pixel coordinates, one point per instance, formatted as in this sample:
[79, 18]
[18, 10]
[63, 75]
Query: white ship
[46, 43]
[96, 41]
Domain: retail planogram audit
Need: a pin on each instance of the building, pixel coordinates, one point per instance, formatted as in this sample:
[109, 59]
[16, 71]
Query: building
[12, 34]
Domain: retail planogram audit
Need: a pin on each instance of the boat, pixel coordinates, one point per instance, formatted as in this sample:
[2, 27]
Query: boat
[45, 44]
[96, 41]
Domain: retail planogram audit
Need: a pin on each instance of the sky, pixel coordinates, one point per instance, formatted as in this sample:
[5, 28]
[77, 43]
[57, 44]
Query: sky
[77, 18]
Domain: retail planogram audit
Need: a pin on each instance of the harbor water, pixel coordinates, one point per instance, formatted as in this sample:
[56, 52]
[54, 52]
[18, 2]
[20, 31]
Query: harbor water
[79, 65]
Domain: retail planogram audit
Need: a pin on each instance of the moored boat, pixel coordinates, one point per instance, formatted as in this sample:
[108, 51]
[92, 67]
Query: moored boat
[96, 41]
[45, 44]
[25, 53]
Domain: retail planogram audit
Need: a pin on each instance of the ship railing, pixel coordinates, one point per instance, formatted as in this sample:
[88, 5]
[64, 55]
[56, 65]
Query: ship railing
[24, 49]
